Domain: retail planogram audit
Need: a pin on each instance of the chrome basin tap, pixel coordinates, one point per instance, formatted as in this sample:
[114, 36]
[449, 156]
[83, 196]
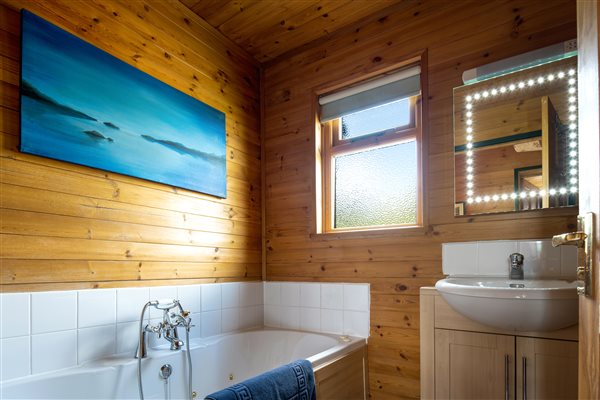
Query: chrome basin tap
[516, 266]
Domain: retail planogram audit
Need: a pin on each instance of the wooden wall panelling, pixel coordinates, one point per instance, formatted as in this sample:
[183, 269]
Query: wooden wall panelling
[66, 226]
[270, 28]
[457, 36]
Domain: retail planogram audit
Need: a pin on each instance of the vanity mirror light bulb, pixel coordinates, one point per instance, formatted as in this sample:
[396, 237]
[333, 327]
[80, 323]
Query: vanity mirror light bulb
[469, 145]
[573, 144]
[469, 161]
[572, 81]
[542, 192]
[573, 153]
[572, 135]
[561, 75]
[478, 199]
[470, 114]
[470, 177]
[469, 193]
[572, 117]
[486, 198]
[571, 90]
[513, 195]
[469, 122]
[521, 86]
[562, 190]
[533, 193]
[469, 153]
[468, 106]
[470, 200]
[503, 89]
[551, 77]
[573, 126]
[572, 99]
[522, 195]
[573, 171]
[470, 185]
[476, 96]
[552, 192]
[485, 94]
[494, 92]
[573, 181]
[469, 137]
[573, 163]
[540, 79]
[531, 82]
[571, 72]
[469, 98]
[495, 197]
[469, 169]
[511, 86]
[572, 108]
[573, 189]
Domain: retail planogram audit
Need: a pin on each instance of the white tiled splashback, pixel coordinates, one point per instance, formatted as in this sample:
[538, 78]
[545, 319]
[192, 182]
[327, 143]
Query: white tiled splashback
[46, 331]
[491, 258]
[322, 307]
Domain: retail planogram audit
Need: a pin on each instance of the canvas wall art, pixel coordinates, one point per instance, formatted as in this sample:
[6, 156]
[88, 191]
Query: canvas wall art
[82, 105]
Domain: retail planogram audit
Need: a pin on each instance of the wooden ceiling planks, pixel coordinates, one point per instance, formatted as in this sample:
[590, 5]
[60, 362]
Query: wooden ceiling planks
[269, 28]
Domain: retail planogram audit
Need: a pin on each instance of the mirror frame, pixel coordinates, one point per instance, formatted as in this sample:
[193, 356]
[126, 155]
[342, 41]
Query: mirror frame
[468, 96]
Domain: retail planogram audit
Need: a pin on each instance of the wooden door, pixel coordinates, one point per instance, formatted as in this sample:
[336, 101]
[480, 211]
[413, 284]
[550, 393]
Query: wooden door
[470, 365]
[546, 369]
[589, 190]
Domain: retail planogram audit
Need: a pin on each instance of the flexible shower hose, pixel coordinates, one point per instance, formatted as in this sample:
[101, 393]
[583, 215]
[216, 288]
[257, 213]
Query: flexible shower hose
[139, 360]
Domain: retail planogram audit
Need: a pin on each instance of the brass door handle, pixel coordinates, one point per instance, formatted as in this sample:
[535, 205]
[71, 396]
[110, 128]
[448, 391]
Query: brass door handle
[572, 239]
[583, 238]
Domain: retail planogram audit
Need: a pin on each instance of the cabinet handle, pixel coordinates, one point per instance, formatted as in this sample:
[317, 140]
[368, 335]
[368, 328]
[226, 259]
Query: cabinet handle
[524, 378]
[506, 384]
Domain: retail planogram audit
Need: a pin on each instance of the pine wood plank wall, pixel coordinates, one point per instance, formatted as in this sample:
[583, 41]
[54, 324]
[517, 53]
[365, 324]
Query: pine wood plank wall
[457, 35]
[66, 226]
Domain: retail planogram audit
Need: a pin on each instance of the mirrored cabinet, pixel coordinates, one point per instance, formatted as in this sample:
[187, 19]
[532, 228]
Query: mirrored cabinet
[515, 141]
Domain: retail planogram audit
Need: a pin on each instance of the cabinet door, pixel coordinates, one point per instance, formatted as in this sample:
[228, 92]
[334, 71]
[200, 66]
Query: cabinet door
[546, 369]
[471, 365]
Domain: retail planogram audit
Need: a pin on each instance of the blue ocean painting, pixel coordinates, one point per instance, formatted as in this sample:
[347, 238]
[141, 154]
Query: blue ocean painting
[82, 105]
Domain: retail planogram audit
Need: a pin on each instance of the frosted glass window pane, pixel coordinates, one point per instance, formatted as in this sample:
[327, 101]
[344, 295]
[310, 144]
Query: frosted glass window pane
[376, 187]
[376, 119]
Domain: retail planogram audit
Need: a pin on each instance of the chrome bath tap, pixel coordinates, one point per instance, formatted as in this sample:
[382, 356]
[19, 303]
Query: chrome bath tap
[516, 266]
[167, 328]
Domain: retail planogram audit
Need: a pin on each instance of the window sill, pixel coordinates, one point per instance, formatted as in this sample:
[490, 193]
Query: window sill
[371, 233]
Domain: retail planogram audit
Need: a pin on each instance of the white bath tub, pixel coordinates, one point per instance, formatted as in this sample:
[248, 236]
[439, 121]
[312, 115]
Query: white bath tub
[218, 362]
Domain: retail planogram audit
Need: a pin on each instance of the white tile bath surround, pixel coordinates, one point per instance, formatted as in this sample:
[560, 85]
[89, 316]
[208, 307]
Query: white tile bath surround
[47, 331]
[490, 258]
[323, 307]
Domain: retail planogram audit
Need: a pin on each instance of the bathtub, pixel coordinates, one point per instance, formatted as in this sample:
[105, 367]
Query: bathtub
[217, 362]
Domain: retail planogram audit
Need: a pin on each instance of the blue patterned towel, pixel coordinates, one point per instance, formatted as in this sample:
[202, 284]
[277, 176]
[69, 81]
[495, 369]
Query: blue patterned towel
[294, 381]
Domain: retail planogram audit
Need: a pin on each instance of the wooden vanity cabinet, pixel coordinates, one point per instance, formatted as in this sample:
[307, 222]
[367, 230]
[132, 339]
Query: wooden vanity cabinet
[470, 365]
[462, 359]
[546, 368]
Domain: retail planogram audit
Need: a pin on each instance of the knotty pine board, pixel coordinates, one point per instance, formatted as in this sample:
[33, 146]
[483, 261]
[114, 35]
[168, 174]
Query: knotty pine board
[455, 36]
[66, 226]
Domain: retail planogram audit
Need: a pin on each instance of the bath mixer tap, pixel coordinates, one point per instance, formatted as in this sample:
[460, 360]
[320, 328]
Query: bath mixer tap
[171, 322]
[166, 329]
[516, 266]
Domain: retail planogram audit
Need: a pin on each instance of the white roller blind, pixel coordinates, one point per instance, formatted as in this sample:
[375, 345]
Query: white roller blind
[395, 86]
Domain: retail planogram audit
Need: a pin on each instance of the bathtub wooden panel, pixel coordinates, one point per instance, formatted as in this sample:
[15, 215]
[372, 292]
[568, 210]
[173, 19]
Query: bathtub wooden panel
[344, 378]
[66, 226]
[456, 36]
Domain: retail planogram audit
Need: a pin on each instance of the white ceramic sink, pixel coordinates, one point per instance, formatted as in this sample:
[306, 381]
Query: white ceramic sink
[515, 305]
